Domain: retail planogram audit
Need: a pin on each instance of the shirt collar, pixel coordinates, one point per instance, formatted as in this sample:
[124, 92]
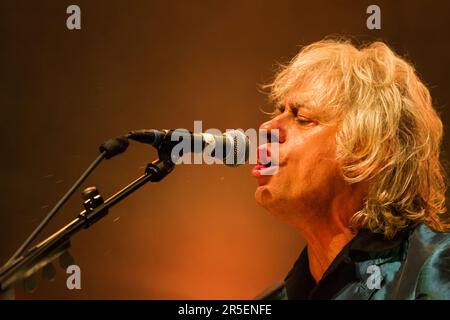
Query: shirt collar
[368, 241]
[364, 246]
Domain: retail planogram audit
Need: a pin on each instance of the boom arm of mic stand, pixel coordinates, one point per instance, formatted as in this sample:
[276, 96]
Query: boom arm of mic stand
[49, 249]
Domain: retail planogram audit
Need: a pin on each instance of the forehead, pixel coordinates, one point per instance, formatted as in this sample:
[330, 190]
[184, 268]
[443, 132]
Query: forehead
[301, 98]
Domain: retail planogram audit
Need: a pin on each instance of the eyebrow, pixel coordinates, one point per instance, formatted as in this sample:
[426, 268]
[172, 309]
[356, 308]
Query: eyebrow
[298, 106]
[295, 106]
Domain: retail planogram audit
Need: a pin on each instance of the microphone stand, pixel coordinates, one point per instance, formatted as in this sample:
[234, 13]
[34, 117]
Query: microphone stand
[58, 243]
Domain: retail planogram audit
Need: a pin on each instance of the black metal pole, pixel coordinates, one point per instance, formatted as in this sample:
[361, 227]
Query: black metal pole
[55, 209]
[47, 250]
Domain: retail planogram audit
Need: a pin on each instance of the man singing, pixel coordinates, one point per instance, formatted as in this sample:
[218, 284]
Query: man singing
[358, 176]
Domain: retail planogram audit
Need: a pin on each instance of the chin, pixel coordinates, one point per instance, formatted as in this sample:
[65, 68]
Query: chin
[273, 202]
[264, 197]
[260, 195]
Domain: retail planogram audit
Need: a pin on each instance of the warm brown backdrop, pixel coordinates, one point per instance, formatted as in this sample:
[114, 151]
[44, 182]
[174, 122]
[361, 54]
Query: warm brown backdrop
[164, 64]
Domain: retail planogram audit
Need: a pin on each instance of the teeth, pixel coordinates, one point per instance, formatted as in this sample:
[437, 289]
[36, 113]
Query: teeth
[267, 165]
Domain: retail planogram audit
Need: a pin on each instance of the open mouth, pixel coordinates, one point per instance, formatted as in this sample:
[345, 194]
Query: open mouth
[262, 169]
[266, 165]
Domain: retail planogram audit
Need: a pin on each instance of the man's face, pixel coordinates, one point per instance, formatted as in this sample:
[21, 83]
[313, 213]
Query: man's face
[308, 175]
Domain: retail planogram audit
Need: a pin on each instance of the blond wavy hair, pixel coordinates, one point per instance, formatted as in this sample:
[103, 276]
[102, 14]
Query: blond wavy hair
[389, 133]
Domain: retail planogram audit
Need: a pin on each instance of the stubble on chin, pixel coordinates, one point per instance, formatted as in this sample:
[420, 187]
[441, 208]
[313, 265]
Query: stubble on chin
[267, 199]
[263, 196]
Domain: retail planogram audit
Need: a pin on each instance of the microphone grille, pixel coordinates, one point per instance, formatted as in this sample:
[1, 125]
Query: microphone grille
[239, 148]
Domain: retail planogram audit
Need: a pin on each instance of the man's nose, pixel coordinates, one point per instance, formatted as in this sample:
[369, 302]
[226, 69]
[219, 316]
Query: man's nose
[271, 135]
[275, 131]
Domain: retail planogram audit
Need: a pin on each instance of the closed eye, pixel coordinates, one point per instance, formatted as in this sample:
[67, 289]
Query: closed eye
[304, 121]
[294, 111]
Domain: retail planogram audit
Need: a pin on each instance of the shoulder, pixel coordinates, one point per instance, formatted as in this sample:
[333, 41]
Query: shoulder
[432, 250]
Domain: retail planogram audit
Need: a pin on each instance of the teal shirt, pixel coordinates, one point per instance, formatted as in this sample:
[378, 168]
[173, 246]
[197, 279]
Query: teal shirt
[413, 265]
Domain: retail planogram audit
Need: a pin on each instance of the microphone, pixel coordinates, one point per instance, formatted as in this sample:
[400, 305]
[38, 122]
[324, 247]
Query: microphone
[231, 147]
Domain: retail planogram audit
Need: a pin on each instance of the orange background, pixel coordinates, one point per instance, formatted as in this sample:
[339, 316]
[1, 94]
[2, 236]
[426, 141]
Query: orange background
[163, 64]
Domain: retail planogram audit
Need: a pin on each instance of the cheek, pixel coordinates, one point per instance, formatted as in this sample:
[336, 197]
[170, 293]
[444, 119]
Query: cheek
[313, 163]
